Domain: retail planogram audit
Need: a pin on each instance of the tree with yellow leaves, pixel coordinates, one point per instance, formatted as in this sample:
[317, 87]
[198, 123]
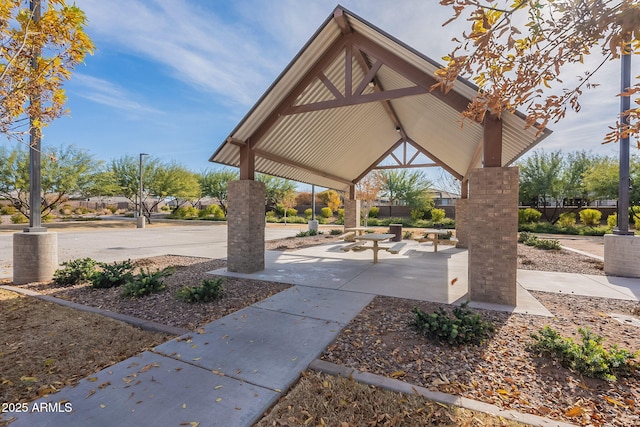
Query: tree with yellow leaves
[42, 42]
[516, 52]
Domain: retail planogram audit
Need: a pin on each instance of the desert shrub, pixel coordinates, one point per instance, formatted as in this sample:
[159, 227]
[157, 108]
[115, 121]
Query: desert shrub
[211, 211]
[528, 215]
[75, 272]
[374, 211]
[308, 213]
[407, 235]
[66, 209]
[165, 208]
[308, 233]
[209, 290]
[530, 239]
[437, 215]
[567, 219]
[112, 275]
[112, 208]
[590, 217]
[8, 210]
[465, 327]
[588, 358]
[81, 210]
[326, 212]
[19, 218]
[335, 232]
[147, 283]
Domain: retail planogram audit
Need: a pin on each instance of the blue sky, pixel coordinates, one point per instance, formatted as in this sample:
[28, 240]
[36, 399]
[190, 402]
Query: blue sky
[172, 78]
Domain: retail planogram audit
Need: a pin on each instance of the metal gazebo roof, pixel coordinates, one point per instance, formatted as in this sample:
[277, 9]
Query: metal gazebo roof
[308, 128]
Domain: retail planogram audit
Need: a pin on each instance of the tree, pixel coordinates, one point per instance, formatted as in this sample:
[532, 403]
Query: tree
[515, 54]
[65, 171]
[331, 198]
[167, 182]
[410, 187]
[540, 180]
[276, 189]
[601, 179]
[214, 184]
[367, 190]
[37, 56]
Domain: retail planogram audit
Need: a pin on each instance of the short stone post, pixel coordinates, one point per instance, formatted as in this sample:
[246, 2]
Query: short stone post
[493, 235]
[351, 213]
[245, 226]
[35, 256]
[621, 254]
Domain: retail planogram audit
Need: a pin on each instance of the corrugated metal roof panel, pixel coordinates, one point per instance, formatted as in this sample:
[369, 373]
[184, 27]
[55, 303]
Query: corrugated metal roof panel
[333, 146]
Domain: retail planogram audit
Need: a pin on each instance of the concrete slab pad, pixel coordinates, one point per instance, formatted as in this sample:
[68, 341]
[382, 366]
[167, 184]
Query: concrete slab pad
[153, 390]
[259, 346]
[569, 283]
[626, 285]
[319, 303]
[306, 270]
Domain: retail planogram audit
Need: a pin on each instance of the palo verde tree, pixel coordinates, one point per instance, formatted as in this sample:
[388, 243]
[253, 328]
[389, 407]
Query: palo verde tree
[214, 183]
[408, 187]
[276, 189]
[37, 56]
[516, 51]
[66, 171]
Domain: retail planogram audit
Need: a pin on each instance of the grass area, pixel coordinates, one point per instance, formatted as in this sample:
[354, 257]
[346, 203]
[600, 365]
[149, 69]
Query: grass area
[324, 400]
[45, 347]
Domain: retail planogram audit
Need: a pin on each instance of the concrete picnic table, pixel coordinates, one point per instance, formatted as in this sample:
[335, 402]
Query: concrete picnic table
[375, 238]
[359, 231]
[436, 232]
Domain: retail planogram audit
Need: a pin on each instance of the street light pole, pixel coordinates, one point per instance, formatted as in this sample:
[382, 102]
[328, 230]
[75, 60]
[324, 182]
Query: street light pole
[140, 220]
[622, 226]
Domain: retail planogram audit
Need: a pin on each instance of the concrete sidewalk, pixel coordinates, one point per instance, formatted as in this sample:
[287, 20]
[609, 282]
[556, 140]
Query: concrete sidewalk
[232, 370]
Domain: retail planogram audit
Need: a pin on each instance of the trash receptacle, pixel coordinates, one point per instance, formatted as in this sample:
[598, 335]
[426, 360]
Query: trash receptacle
[397, 230]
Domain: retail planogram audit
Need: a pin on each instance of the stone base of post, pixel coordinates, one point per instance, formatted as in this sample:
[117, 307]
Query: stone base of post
[245, 226]
[141, 222]
[35, 257]
[351, 213]
[621, 254]
[493, 238]
[462, 223]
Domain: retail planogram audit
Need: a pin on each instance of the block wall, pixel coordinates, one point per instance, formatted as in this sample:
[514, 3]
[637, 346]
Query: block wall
[351, 213]
[462, 223]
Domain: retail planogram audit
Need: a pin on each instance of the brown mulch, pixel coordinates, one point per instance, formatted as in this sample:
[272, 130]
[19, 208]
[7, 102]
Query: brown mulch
[164, 307]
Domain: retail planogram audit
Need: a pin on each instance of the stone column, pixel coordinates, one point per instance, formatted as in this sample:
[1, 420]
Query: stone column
[35, 257]
[351, 213]
[245, 226]
[462, 223]
[493, 234]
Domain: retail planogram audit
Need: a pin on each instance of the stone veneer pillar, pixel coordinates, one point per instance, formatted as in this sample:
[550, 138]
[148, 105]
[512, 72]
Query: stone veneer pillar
[621, 254]
[35, 257]
[245, 226]
[493, 234]
[462, 223]
[351, 213]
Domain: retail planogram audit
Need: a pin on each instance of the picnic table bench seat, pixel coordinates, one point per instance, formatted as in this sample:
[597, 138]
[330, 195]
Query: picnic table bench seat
[354, 246]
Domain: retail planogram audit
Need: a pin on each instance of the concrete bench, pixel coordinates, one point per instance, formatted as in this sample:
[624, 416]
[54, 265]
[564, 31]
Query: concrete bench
[353, 246]
[347, 236]
[396, 248]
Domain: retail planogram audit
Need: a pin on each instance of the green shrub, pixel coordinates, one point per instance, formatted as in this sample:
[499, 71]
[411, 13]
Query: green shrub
[211, 211]
[81, 210]
[465, 327]
[528, 215]
[185, 212]
[147, 283]
[308, 213]
[524, 236]
[165, 208]
[634, 216]
[209, 290]
[374, 211]
[48, 217]
[371, 222]
[612, 221]
[112, 275]
[326, 212]
[590, 217]
[589, 358]
[407, 235]
[271, 215]
[75, 272]
[8, 210]
[341, 214]
[325, 220]
[310, 233]
[437, 215]
[335, 232]
[417, 214]
[530, 239]
[112, 208]
[567, 219]
[19, 218]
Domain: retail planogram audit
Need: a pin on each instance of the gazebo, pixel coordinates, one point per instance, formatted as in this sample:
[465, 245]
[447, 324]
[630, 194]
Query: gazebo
[351, 97]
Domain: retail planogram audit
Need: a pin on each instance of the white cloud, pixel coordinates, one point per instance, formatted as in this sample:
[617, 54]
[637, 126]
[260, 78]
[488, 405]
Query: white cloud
[109, 94]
